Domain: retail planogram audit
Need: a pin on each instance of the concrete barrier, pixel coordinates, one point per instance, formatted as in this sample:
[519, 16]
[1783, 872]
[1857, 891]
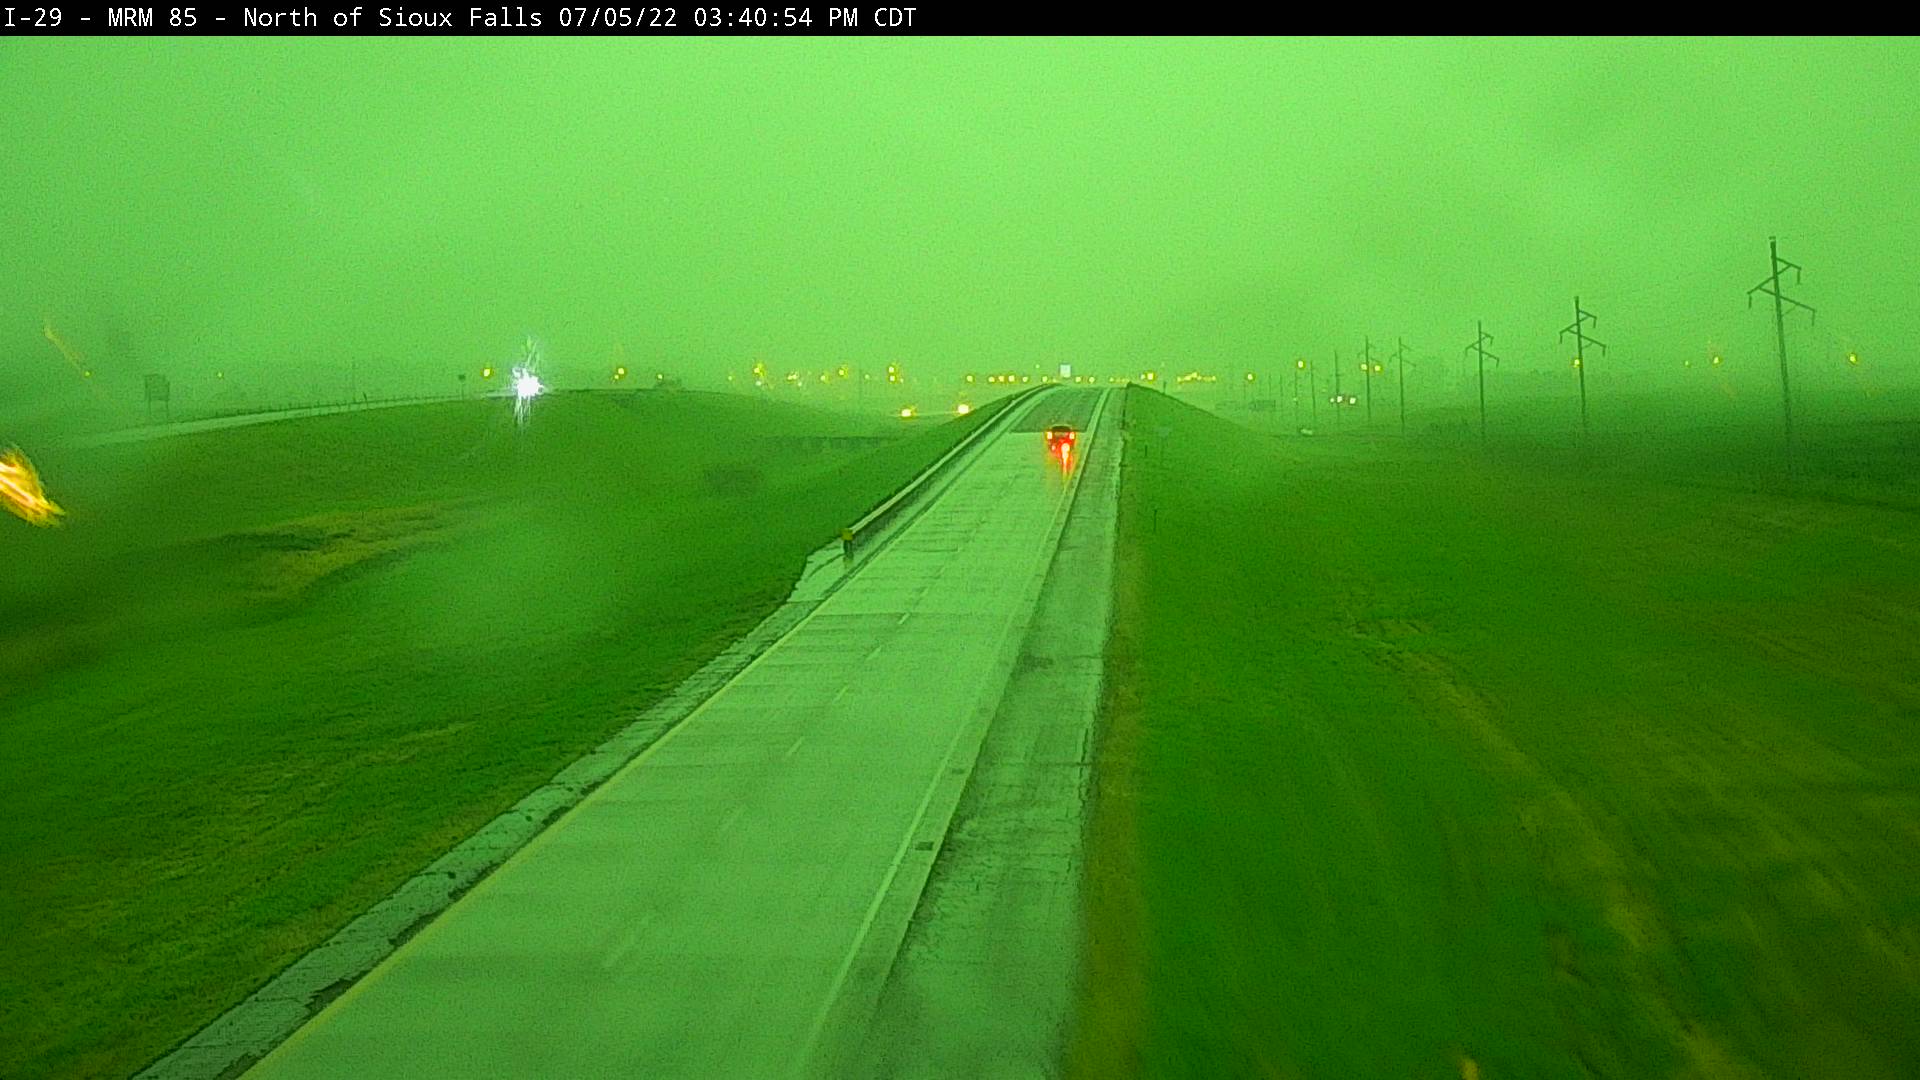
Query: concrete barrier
[860, 538]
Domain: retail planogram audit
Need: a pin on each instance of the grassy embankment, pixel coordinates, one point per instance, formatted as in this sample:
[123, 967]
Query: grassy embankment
[1423, 764]
[263, 674]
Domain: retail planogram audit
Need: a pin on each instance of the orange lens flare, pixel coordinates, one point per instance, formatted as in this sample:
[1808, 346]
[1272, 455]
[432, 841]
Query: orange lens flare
[21, 493]
[67, 350]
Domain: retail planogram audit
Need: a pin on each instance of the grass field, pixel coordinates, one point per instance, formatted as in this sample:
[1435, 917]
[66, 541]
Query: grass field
[1423, 764]
[264, 674]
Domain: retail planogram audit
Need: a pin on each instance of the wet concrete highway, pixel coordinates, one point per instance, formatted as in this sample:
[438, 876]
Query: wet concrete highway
[730, 904]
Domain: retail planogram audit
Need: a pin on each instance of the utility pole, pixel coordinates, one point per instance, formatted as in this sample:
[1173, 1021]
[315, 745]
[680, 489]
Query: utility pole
[1400, 366]
[1299, 365]
[1366, 365]
[1581, 317]
[1338, 401]
[1770, 285]
[1479, 348]
[1313, 395]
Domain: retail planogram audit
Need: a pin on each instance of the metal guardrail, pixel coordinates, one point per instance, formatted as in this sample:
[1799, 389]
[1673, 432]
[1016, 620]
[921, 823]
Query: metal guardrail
[862, 535]
[350, 405]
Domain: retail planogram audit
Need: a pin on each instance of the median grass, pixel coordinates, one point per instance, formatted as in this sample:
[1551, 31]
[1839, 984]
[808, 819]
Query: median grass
[1423, 763]
[264, 674]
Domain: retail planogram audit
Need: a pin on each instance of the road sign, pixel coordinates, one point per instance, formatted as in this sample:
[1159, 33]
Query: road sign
[161, 391]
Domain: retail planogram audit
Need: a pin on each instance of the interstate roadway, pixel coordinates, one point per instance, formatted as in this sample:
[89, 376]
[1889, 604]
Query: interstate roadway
[730, 904]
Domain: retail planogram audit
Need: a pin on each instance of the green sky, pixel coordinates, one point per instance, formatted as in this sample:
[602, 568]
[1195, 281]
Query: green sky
[275, 208]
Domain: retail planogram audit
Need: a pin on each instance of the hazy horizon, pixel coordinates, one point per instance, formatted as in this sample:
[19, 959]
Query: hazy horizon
[296, 213]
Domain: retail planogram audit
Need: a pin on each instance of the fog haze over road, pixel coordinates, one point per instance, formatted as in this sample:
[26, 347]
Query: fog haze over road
[274, 211]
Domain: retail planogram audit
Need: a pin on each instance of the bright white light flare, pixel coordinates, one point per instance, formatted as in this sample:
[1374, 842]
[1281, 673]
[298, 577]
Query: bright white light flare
[526, 382]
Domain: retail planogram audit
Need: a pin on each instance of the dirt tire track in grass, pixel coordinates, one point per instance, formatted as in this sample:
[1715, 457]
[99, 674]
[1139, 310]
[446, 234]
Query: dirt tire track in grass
[285, 560]
[1576, 853]
[1549, 775]
[1573, 851]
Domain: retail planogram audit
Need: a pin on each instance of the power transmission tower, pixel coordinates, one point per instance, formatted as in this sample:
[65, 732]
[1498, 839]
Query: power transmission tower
[1581, 317]
[1400, 366]
[1770, 285]
[1338, 401]
[1366, 365]
[1479, 348]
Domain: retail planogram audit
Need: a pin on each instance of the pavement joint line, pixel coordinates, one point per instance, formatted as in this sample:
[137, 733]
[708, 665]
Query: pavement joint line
[237, 1039]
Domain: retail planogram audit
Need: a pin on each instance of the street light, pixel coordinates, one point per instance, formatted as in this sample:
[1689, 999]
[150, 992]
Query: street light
[1299, 366]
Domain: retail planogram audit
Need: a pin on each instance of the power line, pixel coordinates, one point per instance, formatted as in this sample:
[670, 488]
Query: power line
[1609, 296]
[1852, 228]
